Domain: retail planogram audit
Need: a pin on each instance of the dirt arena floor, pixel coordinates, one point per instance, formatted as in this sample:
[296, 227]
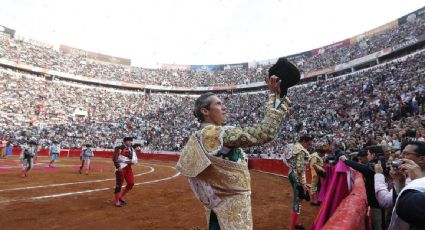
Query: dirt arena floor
[61, 198]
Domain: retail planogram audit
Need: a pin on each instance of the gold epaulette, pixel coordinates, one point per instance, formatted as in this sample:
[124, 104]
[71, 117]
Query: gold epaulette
[211, 138]
[192, 159]
[298, 148]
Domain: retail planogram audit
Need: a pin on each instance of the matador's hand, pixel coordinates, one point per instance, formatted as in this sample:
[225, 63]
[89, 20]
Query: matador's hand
[273, 84]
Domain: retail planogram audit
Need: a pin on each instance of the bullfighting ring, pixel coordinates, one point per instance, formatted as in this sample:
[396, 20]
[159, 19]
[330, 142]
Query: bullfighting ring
[60, 198]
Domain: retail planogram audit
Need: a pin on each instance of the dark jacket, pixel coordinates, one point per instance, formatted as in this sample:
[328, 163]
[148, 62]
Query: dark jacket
[368, 172]
[411, 208]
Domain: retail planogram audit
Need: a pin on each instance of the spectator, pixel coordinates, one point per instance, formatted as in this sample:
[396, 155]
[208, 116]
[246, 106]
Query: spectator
[409, 208]
[368, 172]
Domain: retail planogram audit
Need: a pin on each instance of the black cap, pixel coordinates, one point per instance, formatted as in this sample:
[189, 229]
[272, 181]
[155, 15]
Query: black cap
[137, 145]
[88, 145]
[362, 153]
[127, 139]
[287, 73]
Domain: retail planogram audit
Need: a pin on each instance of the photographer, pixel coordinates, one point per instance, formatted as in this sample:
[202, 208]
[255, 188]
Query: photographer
[416, 172]
[409, 209]
[386, 193]
[383, 195]
[368, 172]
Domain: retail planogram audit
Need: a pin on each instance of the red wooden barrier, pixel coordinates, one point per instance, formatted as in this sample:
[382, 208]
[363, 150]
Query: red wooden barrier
[269, 165]
[105, 154]
[274, 166]
[160, 157]
[351, 213]
[16, 151]
[45, 152]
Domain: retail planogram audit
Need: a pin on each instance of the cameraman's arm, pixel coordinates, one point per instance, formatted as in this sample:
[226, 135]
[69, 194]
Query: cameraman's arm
[399, 180]
[357, 166]
[384, 197]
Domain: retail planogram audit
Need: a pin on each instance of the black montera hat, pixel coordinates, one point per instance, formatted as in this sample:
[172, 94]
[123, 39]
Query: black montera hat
[287, 73]
[377, 149]
[127, 139]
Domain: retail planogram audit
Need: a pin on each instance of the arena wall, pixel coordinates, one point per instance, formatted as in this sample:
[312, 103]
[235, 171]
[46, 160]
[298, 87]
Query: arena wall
[351, 213]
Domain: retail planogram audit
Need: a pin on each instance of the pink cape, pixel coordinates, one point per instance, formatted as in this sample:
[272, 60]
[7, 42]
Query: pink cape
[335, 189]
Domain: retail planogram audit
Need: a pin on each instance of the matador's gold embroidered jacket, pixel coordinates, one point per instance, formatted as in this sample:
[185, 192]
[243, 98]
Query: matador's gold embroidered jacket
[316, 165]
[218, 169]
[298, 162]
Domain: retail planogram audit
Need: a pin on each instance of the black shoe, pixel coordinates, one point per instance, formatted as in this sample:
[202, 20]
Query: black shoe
[303, 195]
[123, 202]
[118, 205]
[299, 227]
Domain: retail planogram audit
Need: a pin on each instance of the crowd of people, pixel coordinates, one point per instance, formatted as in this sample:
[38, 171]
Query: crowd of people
[366, 45]
[79, 64]
[382, 102]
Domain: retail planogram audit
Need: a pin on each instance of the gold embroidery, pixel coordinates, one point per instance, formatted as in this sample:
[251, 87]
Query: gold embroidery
[300, 153]
[192, 159]
[227, 177]
[211, 137]
[264, 132]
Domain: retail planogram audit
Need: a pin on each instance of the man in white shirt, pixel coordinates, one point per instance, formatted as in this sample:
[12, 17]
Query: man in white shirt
[85, 158]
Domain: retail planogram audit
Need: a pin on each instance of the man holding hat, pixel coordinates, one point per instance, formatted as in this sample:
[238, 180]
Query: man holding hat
[27, 156]
[124, 157]
[215, 164]
[85, 158]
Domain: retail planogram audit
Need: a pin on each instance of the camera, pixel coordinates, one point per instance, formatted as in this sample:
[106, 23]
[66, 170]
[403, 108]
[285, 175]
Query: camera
[371, 166]
[396, 163]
